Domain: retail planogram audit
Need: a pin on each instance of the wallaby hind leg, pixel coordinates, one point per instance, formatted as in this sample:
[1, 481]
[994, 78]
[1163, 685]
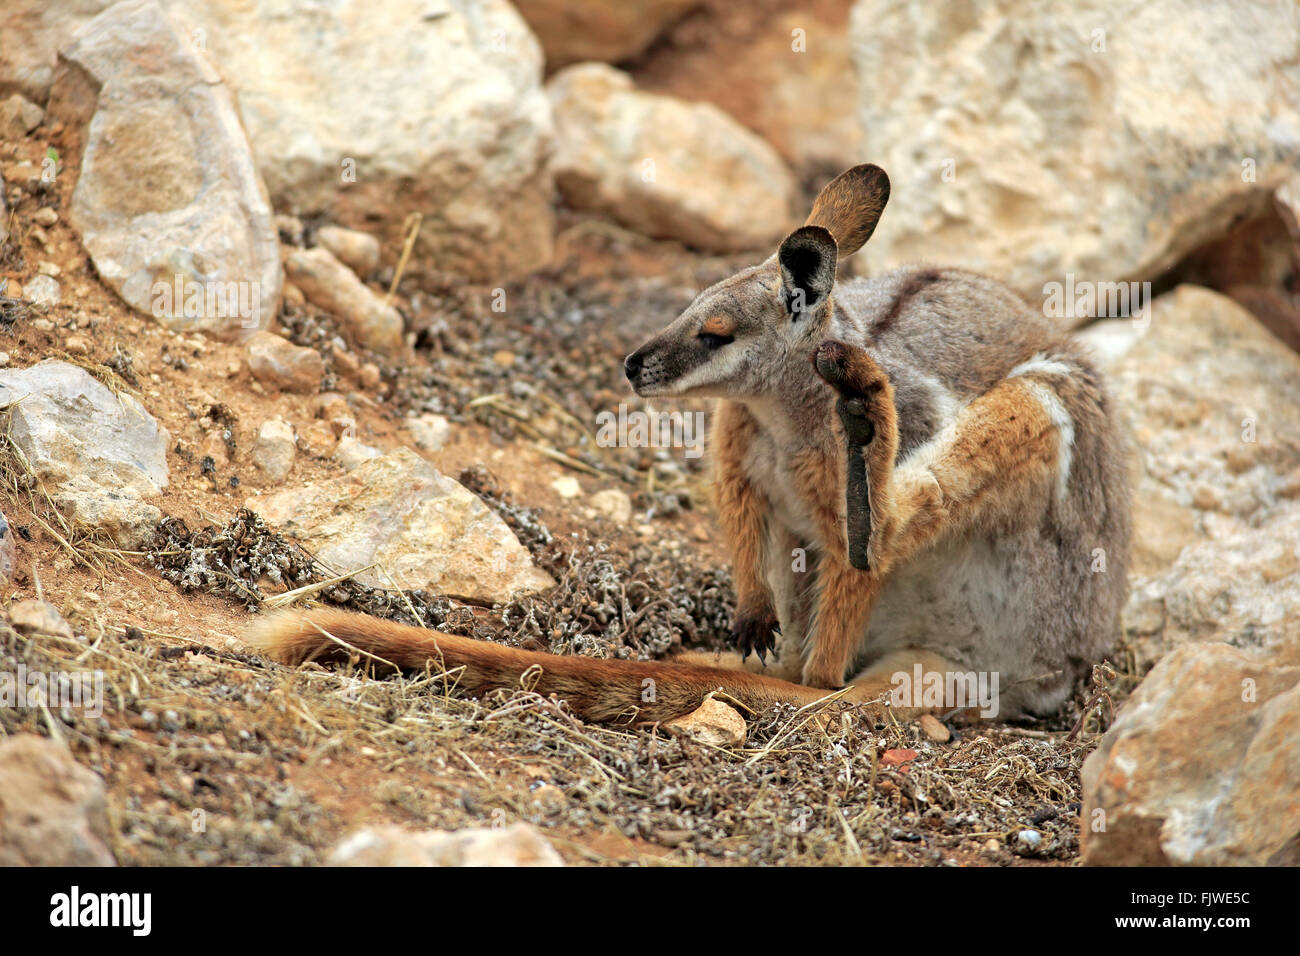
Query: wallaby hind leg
[895, 674]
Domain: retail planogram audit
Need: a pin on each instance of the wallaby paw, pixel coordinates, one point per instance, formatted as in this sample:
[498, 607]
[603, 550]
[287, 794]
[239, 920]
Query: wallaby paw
[860, 383]
[755, 633]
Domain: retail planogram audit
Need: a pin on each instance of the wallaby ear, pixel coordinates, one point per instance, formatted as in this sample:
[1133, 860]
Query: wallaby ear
[807, 259]
[850, 206]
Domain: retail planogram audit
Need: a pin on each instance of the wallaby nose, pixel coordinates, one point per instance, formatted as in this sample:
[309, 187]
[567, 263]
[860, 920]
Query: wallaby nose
[632, 366]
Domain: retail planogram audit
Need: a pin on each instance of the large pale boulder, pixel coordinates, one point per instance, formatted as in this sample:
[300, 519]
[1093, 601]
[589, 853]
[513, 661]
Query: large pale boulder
[99, 455]
[575, 30]
[52, 809]
[1202, 765]
[1213, 399]
[421, 527]
[31, 32]
[375, 109]
[785, 74]
[69, 425]
[664, 167]
[168, 201]
[1032, 139]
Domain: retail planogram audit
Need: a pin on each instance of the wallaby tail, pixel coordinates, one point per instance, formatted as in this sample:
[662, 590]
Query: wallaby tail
[599, 690]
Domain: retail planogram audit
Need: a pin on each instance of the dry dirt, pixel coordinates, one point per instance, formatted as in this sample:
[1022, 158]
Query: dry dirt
[213, 756]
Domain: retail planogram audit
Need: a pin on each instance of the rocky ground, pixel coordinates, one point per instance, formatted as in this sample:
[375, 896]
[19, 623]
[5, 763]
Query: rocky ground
[402, 422]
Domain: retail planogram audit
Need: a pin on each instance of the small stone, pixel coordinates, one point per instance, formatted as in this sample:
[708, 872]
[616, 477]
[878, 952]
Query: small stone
[14, 289]
[897, 758]
[38, 617]
[344, 360]
[293, 295]
[214, 446]
[76, 345]
[566, 486]
[274, 450]
[358, 251]
[46, 216]
[318, 439]
[613, 504]
[350, 453]
[712, 723]
[1029, 838]
[504, 357]
[8, 555]
[370, 375]
[430, 432]
[18, 117]
[278, 362]
[47, 268]
[332, 286]
[43, 325]
[933, 728]
[517, 845]
[4, 359]
[42, 290]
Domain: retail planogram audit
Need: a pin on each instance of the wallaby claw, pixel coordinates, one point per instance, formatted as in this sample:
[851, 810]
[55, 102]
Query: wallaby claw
[753, 634]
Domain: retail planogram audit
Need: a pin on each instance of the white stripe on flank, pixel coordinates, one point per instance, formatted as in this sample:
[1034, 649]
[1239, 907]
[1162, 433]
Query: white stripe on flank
[1060, 418]
[1042, 365]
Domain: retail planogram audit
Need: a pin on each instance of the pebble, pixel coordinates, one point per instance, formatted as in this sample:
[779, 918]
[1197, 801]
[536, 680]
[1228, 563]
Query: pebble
[274, 450]
[933, 728]
[1030, 838]
[43, 290]
[46, 216]
[430, 432]
[566, 486]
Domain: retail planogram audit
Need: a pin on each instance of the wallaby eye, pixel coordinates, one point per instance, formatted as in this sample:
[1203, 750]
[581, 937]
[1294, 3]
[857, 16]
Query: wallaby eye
[713, 341]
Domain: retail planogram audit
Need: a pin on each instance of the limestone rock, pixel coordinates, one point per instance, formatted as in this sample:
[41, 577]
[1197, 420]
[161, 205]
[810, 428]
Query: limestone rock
[33, 31]
[430, 432]
[1214, 401]
[787, 74]
[38, 617]
[118, 513]
[359, 251]
[423, 528]
[613, 504]
[351, 453]
[68, 424]
[18, 117]
[574, 30]
[664, 167]
[1032, 139]
[335, 288]
[713, 723]
[278, 362]
[42, 290]
[178, 224]
[274, 450]
[52, 809]
[516, 845]
[435, 106]
[1202, 765]
[8, 555]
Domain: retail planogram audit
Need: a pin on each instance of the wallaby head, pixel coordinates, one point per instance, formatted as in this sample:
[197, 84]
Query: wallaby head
[727, 343]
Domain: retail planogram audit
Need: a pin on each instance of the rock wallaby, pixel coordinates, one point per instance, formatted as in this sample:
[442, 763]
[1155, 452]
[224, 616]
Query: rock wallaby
[921, 483]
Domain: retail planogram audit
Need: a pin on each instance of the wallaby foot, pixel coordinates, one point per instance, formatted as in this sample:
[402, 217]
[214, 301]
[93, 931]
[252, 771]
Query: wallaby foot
[865, 408]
